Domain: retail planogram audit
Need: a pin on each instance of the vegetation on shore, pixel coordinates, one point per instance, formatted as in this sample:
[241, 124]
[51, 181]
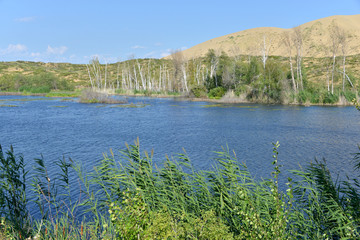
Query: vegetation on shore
[130, 197]
[245, 78]
[92, 96]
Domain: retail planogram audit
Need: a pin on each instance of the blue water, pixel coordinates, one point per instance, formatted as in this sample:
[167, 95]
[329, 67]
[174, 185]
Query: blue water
[85, 131]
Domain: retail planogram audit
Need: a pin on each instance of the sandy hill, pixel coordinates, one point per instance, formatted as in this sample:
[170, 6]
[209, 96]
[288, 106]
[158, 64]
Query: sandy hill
[317, 39]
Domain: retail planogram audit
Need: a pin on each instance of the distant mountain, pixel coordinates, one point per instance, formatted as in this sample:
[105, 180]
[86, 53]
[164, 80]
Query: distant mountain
[317, 39]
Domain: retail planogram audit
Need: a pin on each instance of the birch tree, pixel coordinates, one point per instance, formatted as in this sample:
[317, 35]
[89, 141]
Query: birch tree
[264, 52]
[343, 41]
[94, 71]
[298, 42]
[289, 44]
[213, 61]
[180, 75]
[335, 42]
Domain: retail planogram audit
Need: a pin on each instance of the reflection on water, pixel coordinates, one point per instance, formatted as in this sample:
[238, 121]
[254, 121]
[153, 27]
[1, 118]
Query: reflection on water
[55, 127]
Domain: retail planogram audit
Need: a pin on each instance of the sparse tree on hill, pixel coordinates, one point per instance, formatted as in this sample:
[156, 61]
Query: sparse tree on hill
[95, 74]
[180, 74]
[298, 42]
[343, 41]
[213, 60]
[335, 42]
[265, 52]
[288, 43]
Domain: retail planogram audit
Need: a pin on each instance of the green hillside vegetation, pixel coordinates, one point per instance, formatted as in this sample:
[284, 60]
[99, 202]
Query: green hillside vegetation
[243, 78]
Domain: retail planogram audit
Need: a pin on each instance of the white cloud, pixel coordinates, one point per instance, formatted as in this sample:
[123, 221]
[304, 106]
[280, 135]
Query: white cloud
[166, 52]
[25, 19]
[137, 47]
[56, 50]
[35, 54]
[150, 54]
[14, 48]
[158, 44]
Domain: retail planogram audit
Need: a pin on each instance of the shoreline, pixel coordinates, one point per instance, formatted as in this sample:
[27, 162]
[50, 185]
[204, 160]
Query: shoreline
[235, 100]
[226, 100]
[21, 94]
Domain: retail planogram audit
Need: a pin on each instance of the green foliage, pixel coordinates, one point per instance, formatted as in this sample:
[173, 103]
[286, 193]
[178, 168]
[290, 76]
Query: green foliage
[217, 93]
[330, 98]
[13, 193]
[198, 91]
[240, 88]
[41, 83]
[132, 198]
[29, 89]
[349, 95]
[62, 94]
[253, 71]
[321, 96]
[304, 96]
[120, 91]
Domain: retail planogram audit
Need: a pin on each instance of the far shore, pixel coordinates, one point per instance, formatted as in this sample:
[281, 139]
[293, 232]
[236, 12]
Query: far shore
[224, 100]
[232, 100]
[21, 94]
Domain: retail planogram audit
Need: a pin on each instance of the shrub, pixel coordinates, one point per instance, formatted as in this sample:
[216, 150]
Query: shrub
[349, 95]
[198, 91]
[217, 92]
[239, 89]
[315, 97]
[330, 98]
[41, 89]
[304, 96]
[142, 92]
[120, 91]
[91, 96]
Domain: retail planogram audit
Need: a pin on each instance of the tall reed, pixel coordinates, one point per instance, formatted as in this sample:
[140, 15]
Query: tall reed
[128, 196]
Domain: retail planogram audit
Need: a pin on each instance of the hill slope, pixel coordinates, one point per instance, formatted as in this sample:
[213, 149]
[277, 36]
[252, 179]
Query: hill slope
[317, 39]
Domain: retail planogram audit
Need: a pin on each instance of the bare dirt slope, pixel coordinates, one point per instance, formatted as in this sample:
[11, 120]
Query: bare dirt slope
[317, 39]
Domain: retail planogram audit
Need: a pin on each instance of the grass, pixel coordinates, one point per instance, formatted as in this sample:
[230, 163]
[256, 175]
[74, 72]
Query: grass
[128, 196]
[131, 105]
[63, 94]
[8, 105]
[137, 92]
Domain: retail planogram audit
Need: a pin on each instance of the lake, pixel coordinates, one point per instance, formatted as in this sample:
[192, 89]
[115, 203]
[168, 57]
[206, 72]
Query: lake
[56, 127]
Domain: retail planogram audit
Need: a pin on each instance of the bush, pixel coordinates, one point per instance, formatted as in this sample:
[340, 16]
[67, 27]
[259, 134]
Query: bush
[92, 96]
[240, 88]
[120, 91]
[349, 95]
[198, 91]
[315, 97]
[217, 93]
[330, 98]
[40, 89]
[145, 92]
[304, 96]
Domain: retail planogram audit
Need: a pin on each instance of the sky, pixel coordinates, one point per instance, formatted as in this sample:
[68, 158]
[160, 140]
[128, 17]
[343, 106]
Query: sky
[75, 31]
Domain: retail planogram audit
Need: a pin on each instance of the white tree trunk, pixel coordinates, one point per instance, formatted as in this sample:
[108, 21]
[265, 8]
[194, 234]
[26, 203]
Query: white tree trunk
[332, 74]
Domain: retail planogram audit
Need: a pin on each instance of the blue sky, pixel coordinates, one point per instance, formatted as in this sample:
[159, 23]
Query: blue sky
[76, 30]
